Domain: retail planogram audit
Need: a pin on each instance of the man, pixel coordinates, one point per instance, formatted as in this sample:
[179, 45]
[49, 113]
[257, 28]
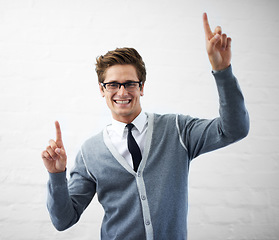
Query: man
[140, 171]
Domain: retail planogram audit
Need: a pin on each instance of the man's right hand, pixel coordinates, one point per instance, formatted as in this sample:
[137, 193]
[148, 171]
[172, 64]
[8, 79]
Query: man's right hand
[54, 157]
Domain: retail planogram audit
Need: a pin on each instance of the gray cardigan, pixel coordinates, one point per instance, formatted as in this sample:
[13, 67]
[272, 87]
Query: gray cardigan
[152, 203]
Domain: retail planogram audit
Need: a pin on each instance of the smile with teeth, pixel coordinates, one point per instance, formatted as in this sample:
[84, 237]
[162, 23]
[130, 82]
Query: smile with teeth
[122, 101]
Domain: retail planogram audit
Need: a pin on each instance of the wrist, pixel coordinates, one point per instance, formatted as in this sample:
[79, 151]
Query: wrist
[222, 70]
[56, 171]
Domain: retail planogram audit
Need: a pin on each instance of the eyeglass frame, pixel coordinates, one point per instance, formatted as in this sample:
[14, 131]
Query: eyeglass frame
[121, 84]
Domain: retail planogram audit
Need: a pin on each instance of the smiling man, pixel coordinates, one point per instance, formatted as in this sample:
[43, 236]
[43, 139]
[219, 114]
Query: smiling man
[123, 100]
[139, 164]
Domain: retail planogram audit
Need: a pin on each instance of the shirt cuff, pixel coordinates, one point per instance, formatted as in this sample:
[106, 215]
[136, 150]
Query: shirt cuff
[219, 71]
[58, 178]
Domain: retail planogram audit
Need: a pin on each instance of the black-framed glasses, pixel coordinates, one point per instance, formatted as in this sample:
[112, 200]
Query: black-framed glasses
[115, 86]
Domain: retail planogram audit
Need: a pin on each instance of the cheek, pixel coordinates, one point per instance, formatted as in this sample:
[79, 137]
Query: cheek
[108, 99]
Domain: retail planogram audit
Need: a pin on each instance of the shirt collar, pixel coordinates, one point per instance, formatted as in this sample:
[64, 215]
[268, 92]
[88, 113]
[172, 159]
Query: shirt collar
[139, 123]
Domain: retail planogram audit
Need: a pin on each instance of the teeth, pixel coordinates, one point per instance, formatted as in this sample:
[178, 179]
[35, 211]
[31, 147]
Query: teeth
[122, 102]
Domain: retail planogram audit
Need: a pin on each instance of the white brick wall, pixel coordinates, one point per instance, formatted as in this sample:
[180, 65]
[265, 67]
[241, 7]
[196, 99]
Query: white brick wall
[47, 54]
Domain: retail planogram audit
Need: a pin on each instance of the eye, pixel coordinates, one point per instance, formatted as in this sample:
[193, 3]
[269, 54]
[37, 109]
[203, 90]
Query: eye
[112, 85]
[131, 85]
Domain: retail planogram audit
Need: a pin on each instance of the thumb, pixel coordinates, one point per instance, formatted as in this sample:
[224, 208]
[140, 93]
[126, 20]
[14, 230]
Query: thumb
[60, 152]
[214, 40]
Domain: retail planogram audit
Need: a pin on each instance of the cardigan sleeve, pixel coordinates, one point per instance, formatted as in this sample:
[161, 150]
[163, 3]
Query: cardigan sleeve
[67, 200]
[203, 135]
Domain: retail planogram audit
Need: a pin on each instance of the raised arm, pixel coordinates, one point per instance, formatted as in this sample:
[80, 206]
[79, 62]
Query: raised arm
[66, 203]
[205, 135]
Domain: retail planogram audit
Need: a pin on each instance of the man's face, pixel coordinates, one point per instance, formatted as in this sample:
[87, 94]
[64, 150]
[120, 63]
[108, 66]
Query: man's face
[124, 105]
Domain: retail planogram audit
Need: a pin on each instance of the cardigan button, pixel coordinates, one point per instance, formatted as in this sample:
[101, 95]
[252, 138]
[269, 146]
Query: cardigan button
[139, 174]
[143, 197]
[147, 222]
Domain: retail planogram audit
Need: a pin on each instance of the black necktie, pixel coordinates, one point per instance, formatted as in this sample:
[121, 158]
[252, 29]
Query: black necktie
[133, 147]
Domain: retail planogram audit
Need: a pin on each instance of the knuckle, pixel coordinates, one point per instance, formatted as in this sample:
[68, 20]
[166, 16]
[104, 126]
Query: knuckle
[45, 155]
[48, 148]
[51, 153]
[218, 29]
[52, 144]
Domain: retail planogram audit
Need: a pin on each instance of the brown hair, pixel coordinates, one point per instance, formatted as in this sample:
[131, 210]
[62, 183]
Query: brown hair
[121, 56]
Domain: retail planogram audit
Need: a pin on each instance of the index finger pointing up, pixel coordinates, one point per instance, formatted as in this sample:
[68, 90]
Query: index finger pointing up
[58, 134]
[207, 30]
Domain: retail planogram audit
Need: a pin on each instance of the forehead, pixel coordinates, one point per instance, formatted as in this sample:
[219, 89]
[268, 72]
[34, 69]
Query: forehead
[121, 73]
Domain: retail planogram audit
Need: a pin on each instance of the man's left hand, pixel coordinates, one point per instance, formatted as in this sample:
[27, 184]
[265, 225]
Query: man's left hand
[218, 46]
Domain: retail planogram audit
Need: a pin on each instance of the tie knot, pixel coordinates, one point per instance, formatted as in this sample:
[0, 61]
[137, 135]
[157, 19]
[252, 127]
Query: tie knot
[130, 126]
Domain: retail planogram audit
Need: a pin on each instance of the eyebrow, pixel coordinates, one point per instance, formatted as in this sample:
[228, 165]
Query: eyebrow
[127, 81]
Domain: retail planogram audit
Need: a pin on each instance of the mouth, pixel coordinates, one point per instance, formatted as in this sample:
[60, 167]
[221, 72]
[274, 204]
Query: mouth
[122, 101]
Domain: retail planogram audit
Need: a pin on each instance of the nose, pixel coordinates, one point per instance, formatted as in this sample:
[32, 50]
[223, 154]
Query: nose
[122, 91]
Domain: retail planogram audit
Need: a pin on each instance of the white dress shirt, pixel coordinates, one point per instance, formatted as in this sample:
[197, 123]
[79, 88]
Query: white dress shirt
[118, 132]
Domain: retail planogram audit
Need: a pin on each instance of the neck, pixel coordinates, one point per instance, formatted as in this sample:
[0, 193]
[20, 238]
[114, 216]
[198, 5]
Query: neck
[126, 119]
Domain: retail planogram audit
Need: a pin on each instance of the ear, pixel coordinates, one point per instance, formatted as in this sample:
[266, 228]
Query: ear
[141, 91]
[101, 90]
